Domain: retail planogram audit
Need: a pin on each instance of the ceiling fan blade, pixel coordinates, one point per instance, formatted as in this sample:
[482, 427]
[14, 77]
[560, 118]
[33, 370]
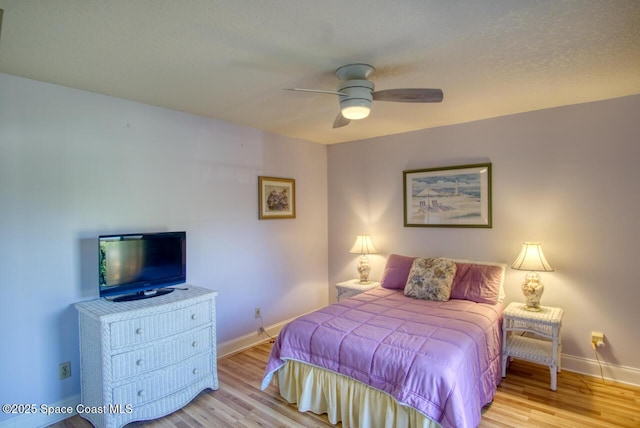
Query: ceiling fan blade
[340, 121]
[317, 91]
[409, 95]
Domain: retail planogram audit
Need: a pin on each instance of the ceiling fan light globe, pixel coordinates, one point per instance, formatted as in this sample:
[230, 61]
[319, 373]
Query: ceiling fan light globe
[355, 109]
[356, 112]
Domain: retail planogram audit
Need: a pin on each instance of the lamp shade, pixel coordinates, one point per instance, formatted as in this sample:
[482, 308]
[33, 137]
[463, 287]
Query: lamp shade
[363, 245]
[531, 259]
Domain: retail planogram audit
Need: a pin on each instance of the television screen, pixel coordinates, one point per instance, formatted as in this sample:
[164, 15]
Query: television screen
[139, 265]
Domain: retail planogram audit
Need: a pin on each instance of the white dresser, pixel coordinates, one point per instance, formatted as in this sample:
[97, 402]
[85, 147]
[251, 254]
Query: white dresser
[144, 359]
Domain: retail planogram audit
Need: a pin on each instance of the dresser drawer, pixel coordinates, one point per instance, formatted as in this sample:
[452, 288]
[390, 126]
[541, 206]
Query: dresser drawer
[151, 327]
[164, 382]
[161, 354]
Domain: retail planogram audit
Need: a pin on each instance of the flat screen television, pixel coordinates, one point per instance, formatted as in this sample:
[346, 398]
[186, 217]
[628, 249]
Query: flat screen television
[138, 266]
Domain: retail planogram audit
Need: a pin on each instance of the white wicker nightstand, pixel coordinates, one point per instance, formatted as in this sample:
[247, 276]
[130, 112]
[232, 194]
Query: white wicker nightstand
[353, 287]
[543, 349]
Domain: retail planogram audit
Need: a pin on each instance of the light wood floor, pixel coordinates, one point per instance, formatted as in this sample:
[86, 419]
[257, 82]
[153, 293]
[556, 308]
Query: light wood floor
[523, 400]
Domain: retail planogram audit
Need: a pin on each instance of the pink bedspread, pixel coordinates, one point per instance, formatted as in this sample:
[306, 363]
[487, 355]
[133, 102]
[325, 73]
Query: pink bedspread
[442, 358]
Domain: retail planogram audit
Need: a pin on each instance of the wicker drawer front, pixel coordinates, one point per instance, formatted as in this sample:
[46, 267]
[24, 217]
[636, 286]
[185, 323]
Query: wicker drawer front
[521, 324]
[528, 325]
[160, 355]
[139, 330]
[164, 382]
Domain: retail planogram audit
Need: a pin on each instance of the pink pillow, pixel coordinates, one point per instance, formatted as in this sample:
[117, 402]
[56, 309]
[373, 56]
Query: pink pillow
[478, 283]
[396, 272]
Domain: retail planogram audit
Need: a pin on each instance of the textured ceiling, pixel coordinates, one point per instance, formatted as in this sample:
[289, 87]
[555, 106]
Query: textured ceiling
[230, 59]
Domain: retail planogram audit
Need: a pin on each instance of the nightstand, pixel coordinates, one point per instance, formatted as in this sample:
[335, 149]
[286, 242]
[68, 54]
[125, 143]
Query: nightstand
[353, 287]
[542, 348]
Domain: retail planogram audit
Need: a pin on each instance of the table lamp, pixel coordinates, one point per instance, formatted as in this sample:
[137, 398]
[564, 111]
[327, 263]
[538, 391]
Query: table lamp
[532, 259]
[363, 246]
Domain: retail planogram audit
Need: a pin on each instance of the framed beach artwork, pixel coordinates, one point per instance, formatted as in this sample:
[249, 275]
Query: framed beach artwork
[454, 196]
[276, 198]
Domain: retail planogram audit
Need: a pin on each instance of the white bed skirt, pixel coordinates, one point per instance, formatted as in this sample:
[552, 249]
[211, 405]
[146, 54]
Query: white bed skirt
[344, 400]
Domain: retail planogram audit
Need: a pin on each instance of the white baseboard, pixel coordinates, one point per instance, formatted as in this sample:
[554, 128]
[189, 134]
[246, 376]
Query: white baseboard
[39, 419]
[590, 367]
[249, 340]
[586, 366]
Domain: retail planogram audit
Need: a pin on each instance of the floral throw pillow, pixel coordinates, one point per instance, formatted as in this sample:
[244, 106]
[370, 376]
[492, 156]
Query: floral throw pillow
[430, 279]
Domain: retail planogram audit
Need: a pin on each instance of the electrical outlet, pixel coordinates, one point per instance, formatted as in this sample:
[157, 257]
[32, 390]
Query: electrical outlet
[64, 370]
[597, 339]
[257, 313]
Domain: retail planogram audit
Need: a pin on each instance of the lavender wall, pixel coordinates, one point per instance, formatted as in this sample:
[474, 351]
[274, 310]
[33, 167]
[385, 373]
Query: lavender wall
[74, 165]
[567, 177]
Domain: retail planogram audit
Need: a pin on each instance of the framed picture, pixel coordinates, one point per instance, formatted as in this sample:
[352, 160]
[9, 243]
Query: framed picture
[454, 196]
[276, 198]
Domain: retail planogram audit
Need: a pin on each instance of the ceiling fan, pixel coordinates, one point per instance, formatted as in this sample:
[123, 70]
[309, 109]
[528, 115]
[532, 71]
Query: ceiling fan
[357, 93]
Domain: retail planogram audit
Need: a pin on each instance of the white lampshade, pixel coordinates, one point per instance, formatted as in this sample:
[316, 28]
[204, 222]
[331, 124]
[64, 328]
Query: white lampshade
[531, 259]
[363, 245]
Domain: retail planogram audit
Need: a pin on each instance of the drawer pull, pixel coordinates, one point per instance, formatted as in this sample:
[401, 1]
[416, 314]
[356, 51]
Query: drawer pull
[195, 371]
[139, 330]
[194, 316]
[140, 362]
[194, 344]
[141, 393]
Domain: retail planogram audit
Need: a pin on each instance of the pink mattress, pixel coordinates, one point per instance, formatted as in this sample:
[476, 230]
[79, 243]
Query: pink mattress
[442, 358]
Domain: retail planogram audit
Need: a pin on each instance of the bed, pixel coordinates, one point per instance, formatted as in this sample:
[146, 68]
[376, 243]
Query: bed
[388, 358]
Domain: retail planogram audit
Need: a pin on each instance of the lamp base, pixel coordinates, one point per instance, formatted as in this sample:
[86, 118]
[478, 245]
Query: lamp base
[364, 269]
[532, 289]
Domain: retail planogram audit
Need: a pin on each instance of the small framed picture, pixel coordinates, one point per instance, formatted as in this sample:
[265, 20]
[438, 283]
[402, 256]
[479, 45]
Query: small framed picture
[276, 198]
[455, 196]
